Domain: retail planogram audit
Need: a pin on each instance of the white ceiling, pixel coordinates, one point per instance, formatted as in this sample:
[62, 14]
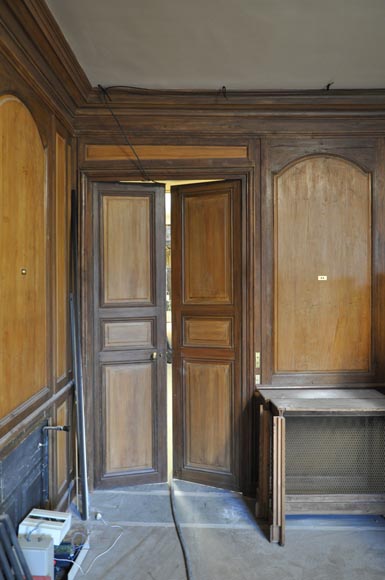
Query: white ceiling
[240, 44]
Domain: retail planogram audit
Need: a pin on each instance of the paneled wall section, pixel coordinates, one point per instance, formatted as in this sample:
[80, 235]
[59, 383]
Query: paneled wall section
[323, 263]
[23, 258]
[36, 176]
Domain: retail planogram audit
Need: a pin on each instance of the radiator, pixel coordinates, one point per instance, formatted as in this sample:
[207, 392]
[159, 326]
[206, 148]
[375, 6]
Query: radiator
[335, 455]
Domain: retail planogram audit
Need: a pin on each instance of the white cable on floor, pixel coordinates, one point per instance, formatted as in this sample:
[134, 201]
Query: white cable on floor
[108, 549]
[99, 555]
[186, 557]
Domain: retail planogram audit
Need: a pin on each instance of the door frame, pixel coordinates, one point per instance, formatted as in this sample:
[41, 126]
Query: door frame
[249, 178]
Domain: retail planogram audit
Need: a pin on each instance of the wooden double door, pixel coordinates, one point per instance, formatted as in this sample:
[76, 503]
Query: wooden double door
[130, 333]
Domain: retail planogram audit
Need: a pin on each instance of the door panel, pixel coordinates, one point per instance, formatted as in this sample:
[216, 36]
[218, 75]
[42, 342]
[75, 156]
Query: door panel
[207, 332]
[206, 298]
[130, 336]
[129, 410]
[207, 276]
[207, 390]
[127, 232]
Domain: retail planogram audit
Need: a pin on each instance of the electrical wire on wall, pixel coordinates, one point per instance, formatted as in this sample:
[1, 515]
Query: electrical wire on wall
[137, 161]
[139, 165]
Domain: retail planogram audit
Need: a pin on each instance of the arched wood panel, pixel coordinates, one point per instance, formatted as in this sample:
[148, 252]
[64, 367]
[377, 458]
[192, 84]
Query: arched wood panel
[23, 310]
[322, 225]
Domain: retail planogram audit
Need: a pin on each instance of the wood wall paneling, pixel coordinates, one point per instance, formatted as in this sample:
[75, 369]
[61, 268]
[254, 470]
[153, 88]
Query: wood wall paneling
[349, 102]
[129, 410]
[322, 267]
[127, 224]
[203, 115]
[62, 258]
[208, 417]
[379, 263]
[42, 96]
[23, 307]
[208, 275]
[162, 152]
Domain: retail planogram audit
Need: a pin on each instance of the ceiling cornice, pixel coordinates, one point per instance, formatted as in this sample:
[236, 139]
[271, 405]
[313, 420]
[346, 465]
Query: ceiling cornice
[32, 41]
[260, 102]
[143, 112]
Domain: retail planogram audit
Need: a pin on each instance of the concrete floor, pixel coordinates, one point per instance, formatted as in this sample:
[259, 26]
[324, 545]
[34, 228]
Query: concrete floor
[223, 539]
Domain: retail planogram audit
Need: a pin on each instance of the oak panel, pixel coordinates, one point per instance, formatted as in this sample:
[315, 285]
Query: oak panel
[61, 447]
[119, 152]
[207, 249]
[128, 417]
[127, 255]
[208, 400]
[23, 310]
[134, 334]
[210, 331]
[62, 244]
[322, 230]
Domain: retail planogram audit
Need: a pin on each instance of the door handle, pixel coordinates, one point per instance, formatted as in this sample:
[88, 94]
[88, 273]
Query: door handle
[155, 355]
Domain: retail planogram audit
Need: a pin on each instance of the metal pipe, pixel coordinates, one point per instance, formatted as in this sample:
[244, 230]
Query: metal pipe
[79, 413]
[65, 428]
[44, 445]
[77, 356]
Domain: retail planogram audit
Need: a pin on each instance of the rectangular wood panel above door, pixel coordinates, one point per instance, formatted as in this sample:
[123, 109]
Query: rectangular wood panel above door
[130, 334]
[206, 304]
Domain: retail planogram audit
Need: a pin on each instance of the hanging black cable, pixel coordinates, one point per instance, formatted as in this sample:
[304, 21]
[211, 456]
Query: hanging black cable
[133, 89]
[146, 177]
[137, 161]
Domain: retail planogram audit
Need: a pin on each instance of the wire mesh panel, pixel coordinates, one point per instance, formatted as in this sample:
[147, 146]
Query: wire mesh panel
[335, 455]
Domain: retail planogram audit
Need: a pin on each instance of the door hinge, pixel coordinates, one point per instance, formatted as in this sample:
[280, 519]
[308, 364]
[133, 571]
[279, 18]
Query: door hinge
[257, 360]
[257, 379]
